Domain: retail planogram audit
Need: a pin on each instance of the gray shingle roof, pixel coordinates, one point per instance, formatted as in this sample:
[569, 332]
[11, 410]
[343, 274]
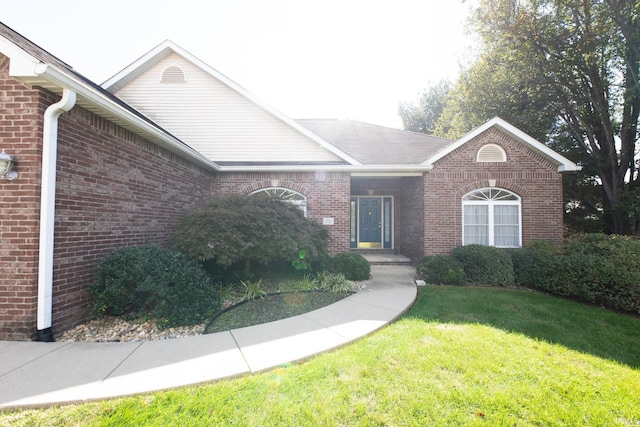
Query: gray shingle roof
[376, 145]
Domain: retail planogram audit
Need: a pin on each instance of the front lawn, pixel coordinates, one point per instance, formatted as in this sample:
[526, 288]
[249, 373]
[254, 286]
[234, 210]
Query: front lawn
[461, 356]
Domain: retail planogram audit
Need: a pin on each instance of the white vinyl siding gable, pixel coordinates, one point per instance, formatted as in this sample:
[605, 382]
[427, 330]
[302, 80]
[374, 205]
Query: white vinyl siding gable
[216, 120]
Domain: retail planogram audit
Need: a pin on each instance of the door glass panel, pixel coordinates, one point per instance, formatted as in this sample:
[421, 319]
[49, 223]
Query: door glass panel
[387, 223]
[354, 223]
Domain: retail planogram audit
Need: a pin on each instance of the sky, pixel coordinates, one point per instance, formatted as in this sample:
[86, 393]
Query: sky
[344, 59]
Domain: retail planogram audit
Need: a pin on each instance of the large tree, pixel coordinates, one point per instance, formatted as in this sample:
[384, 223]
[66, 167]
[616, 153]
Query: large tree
[492, 87]
[584, 58]
[423, 115]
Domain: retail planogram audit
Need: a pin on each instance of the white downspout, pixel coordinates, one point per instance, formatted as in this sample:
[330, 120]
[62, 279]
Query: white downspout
[47, 211]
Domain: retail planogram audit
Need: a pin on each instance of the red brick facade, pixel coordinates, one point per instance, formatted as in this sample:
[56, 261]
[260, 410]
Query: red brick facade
[327, 193]
[531, 176]
[113, 189]
[20, 135]
[116, 189]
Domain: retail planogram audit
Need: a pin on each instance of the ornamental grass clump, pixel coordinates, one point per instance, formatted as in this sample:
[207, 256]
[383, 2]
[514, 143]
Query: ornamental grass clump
[335, 283]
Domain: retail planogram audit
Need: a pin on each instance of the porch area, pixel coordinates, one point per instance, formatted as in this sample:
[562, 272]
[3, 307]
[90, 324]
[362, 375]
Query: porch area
[387, 218]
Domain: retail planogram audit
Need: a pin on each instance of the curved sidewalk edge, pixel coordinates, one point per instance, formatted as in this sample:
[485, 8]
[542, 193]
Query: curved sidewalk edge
[34, 374]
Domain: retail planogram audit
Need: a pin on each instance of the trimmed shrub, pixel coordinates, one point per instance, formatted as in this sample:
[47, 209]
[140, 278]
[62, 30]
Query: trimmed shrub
[485, 265]
[354, 266]
[607, 270]
[154, 282]
[538, 265]
[596, 268]
[441, 270]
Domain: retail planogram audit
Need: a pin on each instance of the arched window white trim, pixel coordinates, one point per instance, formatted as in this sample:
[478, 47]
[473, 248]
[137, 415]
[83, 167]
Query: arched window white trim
[491, 153]
[492, 217]
[284, 194]
[173, 74]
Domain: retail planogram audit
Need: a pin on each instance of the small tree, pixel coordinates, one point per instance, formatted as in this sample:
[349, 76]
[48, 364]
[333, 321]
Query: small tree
[231, 229]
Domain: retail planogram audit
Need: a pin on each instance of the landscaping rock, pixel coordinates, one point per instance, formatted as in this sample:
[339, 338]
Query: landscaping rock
[114, 329]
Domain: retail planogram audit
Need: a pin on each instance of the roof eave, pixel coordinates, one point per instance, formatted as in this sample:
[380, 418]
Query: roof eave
[564, 164]
[35, 73]
[355, 170]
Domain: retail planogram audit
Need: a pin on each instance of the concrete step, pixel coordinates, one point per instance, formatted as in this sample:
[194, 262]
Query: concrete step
[386, 259]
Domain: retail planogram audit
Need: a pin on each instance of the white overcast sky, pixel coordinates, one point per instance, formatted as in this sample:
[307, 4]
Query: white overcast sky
[347, 59]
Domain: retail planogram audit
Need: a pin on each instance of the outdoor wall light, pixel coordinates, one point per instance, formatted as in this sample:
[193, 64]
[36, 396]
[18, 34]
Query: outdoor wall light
[6, 164]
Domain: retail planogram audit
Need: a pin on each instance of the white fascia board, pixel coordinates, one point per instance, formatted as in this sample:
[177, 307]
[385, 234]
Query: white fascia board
[160, 52]
[20, 62]
[139, 65]
[61, 79]
[565, 165]
[362, 170]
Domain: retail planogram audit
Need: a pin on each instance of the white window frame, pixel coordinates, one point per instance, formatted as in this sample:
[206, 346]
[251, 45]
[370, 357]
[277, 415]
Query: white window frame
[287, 195]
[494, 199]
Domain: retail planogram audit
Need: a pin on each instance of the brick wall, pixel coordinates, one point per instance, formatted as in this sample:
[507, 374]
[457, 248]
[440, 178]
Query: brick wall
[410, 218]
[533, 177]
[328, 195]
[114, 189]
[21, 110]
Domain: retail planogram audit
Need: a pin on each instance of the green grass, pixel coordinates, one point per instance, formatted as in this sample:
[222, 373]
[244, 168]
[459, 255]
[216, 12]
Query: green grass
[461, 356]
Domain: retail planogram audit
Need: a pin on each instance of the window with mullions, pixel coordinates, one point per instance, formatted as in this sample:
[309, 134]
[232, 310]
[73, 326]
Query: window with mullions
[491, 216]
[284, 194]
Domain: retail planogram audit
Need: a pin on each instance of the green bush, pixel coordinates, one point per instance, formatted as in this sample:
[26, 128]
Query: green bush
[597, 268]
[441, 270]
[538, 265]
[354, 266]
[154, 282]
[238, 229]
[485, 265]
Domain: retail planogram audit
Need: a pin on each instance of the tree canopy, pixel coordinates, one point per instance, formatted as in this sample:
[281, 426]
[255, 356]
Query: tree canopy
[237, 228]
[422, 117]
[566, 72]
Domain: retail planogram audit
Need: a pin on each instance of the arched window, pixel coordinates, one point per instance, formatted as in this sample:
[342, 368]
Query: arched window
[284, 194]
[491, 153]
[173, 74]
[491, 216]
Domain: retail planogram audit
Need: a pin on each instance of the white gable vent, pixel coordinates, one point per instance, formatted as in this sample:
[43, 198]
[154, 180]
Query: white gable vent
[491, 153]
[173, 74]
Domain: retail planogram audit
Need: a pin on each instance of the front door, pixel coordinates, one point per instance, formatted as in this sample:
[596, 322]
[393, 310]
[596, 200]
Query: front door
[370, 222]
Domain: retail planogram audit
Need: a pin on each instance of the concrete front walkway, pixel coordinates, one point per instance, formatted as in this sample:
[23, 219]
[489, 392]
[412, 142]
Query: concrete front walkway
[40, 374]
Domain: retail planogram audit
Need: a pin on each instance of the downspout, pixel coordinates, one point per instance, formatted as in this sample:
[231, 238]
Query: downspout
[47, 212]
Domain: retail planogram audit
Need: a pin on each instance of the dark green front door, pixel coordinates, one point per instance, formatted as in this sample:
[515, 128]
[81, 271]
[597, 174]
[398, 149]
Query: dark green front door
[370, 222]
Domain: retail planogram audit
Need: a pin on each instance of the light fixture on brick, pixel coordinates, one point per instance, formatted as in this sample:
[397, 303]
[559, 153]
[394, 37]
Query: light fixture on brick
[6, 164]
